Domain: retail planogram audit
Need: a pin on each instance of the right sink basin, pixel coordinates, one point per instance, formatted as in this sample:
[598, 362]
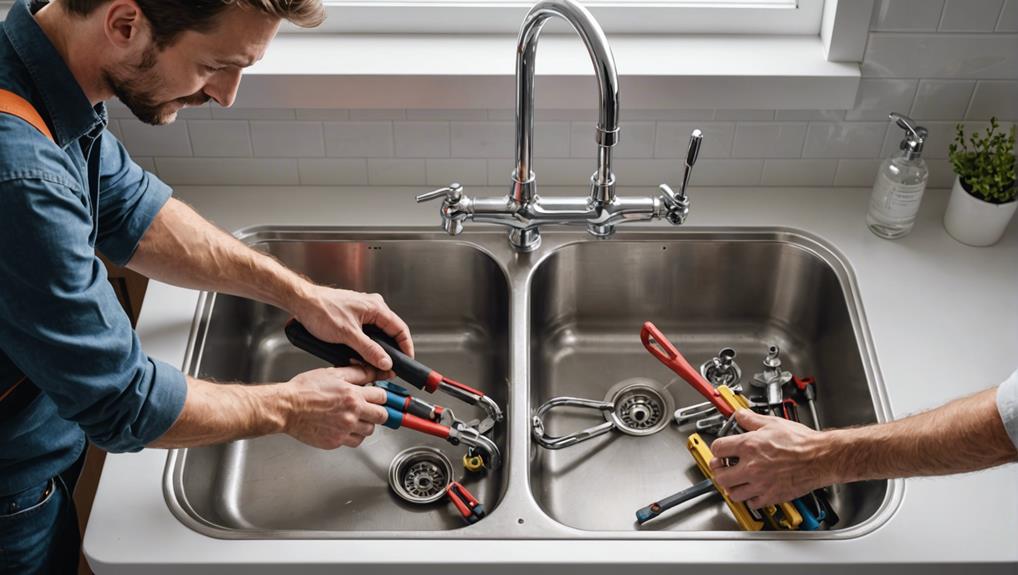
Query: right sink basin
[747, 291]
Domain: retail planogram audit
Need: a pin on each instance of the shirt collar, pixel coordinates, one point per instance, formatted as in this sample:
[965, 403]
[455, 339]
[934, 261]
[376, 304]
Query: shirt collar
[70, 113]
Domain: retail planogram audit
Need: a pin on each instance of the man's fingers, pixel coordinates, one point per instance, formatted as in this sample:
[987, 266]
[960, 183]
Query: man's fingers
[373, 413]
[729, 477]
[393, 325]
[727, 446]
[744, 492]
[363, 428]
[750, 420]
[371, 351]
[356, 374]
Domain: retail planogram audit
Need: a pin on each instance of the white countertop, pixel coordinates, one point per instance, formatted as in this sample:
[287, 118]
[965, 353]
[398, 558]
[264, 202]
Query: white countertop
[943, 319]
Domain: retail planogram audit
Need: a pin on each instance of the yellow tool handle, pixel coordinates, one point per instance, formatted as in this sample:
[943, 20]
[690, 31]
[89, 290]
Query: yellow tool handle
[702, 455]
[791, 517]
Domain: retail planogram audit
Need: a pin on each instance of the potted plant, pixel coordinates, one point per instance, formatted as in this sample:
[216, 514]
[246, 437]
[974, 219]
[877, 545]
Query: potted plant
[983, 199]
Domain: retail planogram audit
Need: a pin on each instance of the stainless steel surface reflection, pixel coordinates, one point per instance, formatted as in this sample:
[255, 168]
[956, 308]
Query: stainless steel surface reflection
[562, 320]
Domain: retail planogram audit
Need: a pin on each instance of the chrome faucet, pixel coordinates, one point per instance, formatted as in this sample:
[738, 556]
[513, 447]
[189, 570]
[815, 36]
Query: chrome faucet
[522, 209]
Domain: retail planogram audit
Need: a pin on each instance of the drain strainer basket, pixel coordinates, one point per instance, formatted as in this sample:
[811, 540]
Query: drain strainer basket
[642, 406]
[420, 474]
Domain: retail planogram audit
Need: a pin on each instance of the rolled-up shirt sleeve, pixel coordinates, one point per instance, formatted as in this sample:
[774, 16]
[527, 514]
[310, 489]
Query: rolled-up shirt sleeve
[1007, 405]
[61, 323]
[129, 199]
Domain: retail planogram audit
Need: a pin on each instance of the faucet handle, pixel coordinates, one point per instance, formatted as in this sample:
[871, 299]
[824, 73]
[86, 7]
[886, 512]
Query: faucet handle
[692, 153]
[453, 193]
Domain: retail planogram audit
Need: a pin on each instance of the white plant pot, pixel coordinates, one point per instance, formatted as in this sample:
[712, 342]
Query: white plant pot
[973, 221]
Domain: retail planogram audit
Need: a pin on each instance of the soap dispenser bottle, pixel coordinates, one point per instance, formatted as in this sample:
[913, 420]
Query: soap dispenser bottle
[900, 184]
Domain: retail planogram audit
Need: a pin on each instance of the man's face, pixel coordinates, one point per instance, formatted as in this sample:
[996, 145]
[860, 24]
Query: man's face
[197, 67]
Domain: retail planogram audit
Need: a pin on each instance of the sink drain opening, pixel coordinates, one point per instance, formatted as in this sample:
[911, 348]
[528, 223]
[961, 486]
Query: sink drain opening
[420, 474]
[642, 406]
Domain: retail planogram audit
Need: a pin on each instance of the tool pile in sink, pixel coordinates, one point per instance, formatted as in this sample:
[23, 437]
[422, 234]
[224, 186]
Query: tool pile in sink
[423, 475]
[641, 407]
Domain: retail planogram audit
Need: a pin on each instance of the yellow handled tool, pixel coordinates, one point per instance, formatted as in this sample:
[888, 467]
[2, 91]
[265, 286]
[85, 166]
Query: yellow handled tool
[784, 515]
[703, 456]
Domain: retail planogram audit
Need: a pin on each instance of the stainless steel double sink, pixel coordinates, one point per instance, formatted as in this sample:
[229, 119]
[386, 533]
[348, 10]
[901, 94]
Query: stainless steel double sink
[523, 328]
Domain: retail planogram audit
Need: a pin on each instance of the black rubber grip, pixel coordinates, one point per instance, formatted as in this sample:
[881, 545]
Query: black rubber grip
[341, 355]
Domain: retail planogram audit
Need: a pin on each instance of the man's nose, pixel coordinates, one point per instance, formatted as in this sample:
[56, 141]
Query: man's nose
[222, 87]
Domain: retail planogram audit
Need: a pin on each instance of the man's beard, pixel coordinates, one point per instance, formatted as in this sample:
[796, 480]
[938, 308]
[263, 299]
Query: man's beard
[136, 89]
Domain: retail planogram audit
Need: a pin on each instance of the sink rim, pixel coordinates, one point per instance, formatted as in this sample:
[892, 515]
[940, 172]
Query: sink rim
[517, 499]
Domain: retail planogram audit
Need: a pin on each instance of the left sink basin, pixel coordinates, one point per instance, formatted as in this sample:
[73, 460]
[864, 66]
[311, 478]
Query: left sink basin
[456, 300]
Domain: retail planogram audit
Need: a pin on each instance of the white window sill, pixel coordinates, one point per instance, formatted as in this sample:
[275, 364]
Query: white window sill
[477, 71]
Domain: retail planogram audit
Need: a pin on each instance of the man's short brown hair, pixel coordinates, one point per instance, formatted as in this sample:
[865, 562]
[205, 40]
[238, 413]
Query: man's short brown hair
[169, 18]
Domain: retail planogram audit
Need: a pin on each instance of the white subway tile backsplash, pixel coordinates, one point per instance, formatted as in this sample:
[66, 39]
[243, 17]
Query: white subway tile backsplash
[396, 172]
[726, 173]
[672, 140]
[798, 172]
[970, 15]
[1008, 17]
[878, 97]
[551, 139]
[322, 115]
[114, 128]
[446, 115]
[147, 164]
[643, 172]
[959, 56]
[219, 113]
[941, 174]
[220, 138]
[856, 173]
[942, 99]
[422, 139]
[146, 140]
[332, 171]
[844, 140]
[275, 139]
[572, 115]
[228, 171]
[358, 139]
[911, 15]
[769, 140]
[744, 115]
[809, 115]
[502, 115]
[998, 99]
[442, 172]
[558, 172]
[483, 139]
[377, 115]
[667, 115]
[636, 140]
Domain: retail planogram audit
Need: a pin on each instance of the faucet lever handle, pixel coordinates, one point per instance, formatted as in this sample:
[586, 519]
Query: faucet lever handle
[695, 140]
[453, 192]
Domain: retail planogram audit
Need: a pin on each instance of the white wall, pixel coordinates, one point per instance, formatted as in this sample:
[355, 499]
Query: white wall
[941, 61]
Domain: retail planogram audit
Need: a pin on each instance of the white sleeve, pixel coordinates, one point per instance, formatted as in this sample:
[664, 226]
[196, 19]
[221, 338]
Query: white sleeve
[1007, 405]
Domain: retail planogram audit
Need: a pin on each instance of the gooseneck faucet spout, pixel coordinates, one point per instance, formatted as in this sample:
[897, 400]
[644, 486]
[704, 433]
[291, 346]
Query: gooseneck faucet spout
[607, 130]
[522, 210]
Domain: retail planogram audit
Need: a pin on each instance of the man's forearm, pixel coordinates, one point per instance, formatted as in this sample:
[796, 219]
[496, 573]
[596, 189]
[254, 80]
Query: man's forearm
[964, 435]
[184, 249]
[217, 413]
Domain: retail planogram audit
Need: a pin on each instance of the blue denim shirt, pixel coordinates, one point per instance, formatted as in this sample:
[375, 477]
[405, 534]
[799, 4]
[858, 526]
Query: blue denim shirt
[60, 322]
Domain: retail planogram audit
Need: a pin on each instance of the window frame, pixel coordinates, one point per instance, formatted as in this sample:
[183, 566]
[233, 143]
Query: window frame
[763, 17]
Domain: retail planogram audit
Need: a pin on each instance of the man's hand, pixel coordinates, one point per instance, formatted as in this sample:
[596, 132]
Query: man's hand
[338, 316]
[776, 460]
[331, 407]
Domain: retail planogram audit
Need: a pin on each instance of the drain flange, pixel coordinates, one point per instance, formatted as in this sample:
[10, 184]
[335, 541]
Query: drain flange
[420, 474]
[642, 406]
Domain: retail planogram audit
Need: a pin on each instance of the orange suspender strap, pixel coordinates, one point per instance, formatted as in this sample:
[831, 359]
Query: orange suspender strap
[15, 105]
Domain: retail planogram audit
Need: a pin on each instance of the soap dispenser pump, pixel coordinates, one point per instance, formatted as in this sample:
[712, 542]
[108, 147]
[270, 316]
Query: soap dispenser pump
[900, 184]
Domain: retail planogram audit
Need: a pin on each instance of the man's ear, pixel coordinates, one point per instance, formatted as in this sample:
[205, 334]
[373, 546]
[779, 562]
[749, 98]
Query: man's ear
[125, 24]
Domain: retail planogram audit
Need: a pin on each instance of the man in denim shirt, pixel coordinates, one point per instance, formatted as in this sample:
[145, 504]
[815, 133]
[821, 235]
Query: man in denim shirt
[71, 367]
